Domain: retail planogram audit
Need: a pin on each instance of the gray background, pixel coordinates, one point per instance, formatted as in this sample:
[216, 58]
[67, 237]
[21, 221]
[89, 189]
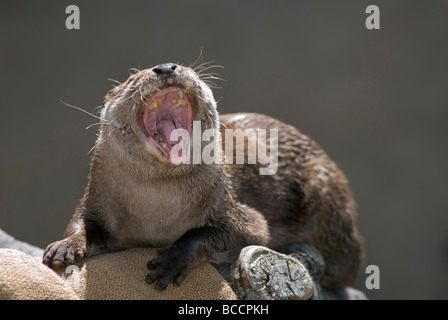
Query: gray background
[375, 100]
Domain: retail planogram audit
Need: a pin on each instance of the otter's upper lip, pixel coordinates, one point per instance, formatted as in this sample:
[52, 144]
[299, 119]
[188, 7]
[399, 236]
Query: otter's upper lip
[168, 109]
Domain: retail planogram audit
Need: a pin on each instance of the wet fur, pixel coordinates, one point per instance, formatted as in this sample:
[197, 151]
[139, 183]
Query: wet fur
[203, 212]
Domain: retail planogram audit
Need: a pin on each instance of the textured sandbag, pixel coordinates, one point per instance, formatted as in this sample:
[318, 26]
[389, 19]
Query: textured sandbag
[118, 275]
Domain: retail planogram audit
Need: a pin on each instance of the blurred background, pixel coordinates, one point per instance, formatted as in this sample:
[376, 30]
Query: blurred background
[376, 100]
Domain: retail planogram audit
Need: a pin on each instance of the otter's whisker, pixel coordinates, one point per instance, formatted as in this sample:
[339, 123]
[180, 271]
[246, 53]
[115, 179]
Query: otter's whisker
[210, 79]
[97, 123]
[133, 98]
[198, 60]
[98, 108]
[116, 81]
[135, 70]
[142, 98]
[210, 67]
[211, 74]
[211, 84]
[207, 76]
[82, 110]
[203, 64]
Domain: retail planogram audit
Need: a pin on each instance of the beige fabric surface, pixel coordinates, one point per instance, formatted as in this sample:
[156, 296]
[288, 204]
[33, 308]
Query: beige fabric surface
[22, 277]
[111, 276]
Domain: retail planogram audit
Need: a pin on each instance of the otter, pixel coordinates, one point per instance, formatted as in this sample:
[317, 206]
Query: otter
[137, 196]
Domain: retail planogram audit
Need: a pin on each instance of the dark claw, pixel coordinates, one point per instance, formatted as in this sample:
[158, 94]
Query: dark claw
[160, 286]
[57, 265]
[149, 279]
[153, 276]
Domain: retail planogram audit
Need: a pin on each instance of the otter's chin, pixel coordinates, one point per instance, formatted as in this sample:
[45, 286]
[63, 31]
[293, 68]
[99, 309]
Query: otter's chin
[167, 111]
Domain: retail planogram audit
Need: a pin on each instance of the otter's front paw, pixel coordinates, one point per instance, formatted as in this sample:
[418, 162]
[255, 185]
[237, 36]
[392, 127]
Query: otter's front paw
[171, 265]
[63, 253]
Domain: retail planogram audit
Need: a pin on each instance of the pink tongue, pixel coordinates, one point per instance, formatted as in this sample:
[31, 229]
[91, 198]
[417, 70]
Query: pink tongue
[165, 127]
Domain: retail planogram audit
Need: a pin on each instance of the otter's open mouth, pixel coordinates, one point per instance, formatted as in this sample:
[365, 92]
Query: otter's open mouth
[167, 110]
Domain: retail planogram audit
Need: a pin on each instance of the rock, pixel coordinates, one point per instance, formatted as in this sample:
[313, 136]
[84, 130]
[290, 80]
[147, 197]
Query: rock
[264, 274]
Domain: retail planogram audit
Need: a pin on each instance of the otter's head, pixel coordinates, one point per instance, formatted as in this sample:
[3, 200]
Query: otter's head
[141, 114]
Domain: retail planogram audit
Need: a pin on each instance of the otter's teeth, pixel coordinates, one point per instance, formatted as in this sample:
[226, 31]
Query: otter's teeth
[181, 94]
[164, 146]
[180, 102]
[155, 105]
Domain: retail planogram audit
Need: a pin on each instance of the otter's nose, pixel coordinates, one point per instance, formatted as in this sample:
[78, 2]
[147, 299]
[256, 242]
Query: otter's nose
[165, 69]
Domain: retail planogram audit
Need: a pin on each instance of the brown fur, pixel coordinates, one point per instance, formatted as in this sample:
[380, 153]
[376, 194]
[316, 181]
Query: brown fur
[205, 212]
[308, 199]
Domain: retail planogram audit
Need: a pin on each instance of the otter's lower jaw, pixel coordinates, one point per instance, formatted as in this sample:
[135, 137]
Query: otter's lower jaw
[164, 115]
